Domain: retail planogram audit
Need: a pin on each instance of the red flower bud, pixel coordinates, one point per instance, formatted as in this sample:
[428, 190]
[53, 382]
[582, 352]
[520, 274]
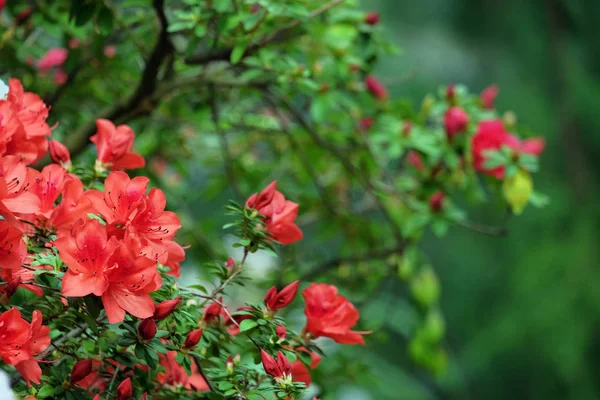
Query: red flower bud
[166, 308]
[192, 339]
[2, 4]
[450, 93]
[414, 159]
[96, 397]
[376, 88]
[275, 301]
[455, 121]
[276, 367]
[230, 264]
[281, 331]
[213, 310]
[436, 201]
[229, 365]
[366, 123]
[147, 329]
[124, 390]
[80, 370]
[372, 18]
[406, 127]
[488, 96]
[12, 286]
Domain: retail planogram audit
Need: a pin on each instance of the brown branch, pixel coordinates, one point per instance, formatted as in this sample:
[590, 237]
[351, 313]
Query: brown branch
[346, 163]
[278, 36]
[224, 144]
[484, 229]
[138, 103]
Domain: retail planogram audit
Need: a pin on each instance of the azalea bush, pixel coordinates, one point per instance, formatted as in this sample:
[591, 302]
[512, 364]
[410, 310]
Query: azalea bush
[275, 98]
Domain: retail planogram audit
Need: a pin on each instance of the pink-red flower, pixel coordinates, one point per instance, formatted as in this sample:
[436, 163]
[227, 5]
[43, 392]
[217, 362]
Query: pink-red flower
[53, 58]
[174, 374]
[192, 339]
[166, 308]
[330, 314]
[114, 145]
[81, 370]
[376, 88]
[455, 121]
[279, 367]
[276, 300]
[22, 341]
[147, 329]
[491, 136]
[104, 267]
[280, 214]
[23, 127]
[13, 249]
[14, 196]
[415, 159]
[60, 154]
[436, 201]
[372, 18]
[125, 390]
[213, 310]
[488, 96]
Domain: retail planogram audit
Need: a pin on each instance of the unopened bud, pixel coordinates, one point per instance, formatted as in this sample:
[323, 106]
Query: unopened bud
[80, 370]
[147, 329]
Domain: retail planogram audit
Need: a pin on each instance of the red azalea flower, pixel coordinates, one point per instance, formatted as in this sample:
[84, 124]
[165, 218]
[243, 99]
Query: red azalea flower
[86, 253]
[175, 375]
[14, 198]
[47, 186]
[166, 308]
[25, 135]
[73, 206]
[277, 368]
[147, 329]
[22, 341]
[376, 88]
[13, 249]
[491, 135]
[436, 201]
[414, 159]
[275, 301]
[372, 18]
[52, 59]
[131, 279]
[192, 339]
[366, 123]
[281, 331]
[125, 390]
[488, 96]
[330, 314]
[213, 310]
[59, 153]
[81, 370]
[114, 146]
[455, 121]
[280, 214]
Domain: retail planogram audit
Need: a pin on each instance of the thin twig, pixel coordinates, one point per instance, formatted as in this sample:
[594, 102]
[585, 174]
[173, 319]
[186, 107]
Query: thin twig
[484, 229]
[225, 151]
[225, 54]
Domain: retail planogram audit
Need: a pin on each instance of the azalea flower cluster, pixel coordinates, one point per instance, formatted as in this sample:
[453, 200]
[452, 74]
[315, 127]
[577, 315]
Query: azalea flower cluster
[103, 239]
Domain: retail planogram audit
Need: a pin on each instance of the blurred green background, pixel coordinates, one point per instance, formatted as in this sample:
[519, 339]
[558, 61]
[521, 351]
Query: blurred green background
[522, 311]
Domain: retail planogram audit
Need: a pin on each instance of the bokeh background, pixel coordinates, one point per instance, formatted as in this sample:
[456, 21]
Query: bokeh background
[522, 311]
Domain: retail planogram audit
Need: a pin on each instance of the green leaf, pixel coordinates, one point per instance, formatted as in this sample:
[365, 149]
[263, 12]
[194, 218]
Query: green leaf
[238, 52]
[45, 391]
[247, 325]
[105, 21]
[93, 305]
